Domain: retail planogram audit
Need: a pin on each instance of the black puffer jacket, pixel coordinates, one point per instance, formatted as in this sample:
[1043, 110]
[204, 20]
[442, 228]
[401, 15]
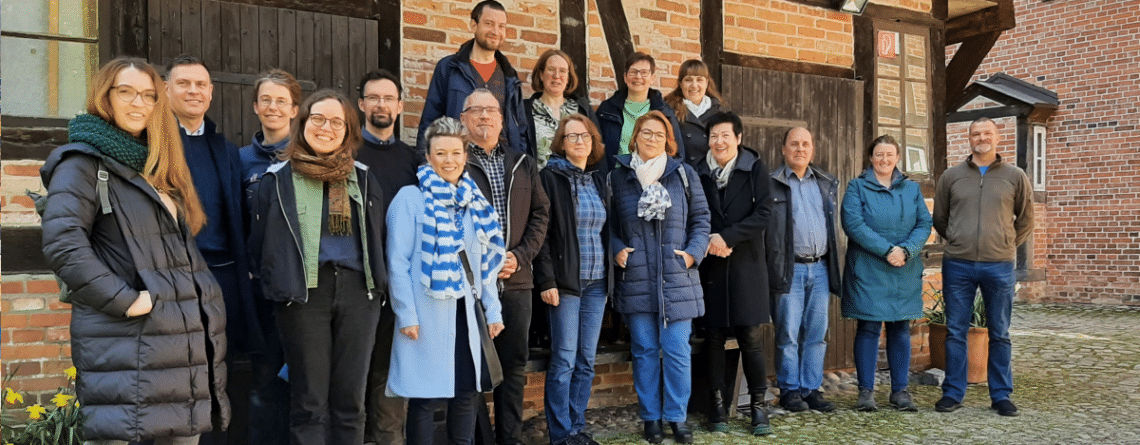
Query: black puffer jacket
[155, 375]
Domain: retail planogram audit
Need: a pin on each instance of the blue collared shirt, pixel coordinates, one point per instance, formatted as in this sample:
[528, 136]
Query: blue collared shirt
[809, 222]
[375, 140]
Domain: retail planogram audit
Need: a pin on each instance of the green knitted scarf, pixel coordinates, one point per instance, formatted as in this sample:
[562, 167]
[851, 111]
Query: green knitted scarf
[109, 140]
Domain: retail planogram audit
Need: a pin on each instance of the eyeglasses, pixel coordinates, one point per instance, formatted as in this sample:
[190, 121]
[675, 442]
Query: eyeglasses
[319, 120]
[373, 100]
[639, 73]
[578, 137]
[266, 102]
[490, 111]
[128, 94]
[652, 136]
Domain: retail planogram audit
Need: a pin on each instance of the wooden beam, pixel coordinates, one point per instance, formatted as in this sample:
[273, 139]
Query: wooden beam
[965, 62]
[616, 28]
[792, 66]
[938, 102]
[894, 14]
[864, 34]
[572, 25]
[940, 9]
[357, 9]
[31, 138]
[995, 18]
[991, 112]
[712, 36]
[25, 250]
[827, 4]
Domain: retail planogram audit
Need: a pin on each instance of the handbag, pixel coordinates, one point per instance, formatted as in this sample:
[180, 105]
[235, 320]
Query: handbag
[493, 370]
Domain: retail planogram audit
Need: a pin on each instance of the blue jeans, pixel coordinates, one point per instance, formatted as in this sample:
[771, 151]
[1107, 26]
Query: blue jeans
[575, 325]
[654, 343]
[867, 352]
[801, 324]
[960, 281]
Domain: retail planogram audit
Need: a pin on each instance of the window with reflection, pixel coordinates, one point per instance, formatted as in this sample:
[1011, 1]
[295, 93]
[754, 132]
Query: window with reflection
[52, 45]
[902, 107]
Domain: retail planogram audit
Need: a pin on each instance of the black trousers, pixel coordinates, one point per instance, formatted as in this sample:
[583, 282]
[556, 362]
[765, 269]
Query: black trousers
[751, 352]
[461, 408]
[386, 415]
[328, 345]
[514, 351]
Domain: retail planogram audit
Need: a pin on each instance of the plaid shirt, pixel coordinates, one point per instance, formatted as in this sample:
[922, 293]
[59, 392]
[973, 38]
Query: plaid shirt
[591, 217]
[496, 174]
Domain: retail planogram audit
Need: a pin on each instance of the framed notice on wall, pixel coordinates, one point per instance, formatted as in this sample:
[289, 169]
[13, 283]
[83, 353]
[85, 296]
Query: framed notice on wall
[887, 44]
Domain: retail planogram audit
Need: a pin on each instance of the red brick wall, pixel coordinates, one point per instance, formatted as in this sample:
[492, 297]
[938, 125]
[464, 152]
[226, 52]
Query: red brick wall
[34, 336]
[1088, 52]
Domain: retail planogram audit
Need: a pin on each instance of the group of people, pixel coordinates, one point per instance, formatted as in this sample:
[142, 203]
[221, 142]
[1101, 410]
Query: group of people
[382, 280]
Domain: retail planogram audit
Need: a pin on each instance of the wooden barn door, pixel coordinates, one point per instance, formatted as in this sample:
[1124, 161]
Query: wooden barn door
[770, 103]
[240, 41]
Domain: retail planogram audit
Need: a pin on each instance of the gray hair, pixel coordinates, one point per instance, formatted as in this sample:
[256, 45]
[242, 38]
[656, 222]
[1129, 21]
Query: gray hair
[467, 101]
[445, 127]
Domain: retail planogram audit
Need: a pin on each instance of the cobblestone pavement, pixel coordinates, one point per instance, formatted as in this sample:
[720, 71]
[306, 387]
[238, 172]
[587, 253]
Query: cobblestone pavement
[1076, 380]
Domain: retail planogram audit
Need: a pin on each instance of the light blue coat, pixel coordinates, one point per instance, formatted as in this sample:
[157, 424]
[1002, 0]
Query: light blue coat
[876, 218]
[425, 367]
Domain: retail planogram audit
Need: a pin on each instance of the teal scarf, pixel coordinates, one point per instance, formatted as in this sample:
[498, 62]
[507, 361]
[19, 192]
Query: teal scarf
[109, 140]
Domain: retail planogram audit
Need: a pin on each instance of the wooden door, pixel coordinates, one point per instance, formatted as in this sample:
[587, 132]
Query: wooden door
[770, 103]
[240, 41]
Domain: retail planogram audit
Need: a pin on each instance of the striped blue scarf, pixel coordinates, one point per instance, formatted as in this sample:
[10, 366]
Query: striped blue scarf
[443, 272]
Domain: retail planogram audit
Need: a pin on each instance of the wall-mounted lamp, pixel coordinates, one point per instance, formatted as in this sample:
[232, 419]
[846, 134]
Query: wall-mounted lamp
[852, 6]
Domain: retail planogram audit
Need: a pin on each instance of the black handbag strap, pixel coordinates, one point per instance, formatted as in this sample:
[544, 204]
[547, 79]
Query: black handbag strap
[494, 369]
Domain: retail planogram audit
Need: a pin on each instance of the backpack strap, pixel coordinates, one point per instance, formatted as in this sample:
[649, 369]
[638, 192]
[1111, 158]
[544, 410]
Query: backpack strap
[685, 181]
[102, 190]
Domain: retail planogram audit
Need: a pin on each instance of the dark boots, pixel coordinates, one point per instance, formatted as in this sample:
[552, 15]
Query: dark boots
[760, 426]
[718, 412]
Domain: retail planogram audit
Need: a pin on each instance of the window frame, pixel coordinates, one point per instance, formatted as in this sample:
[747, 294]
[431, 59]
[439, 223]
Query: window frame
[903, 30]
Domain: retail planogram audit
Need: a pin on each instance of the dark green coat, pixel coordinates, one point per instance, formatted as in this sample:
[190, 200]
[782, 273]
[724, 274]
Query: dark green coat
[875, 219]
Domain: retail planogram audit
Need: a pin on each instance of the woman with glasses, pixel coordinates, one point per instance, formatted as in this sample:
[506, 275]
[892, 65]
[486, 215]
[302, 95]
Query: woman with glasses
[695, 100]
[634, 99]
[659, 232]
[571, 273]
[446, 248]
[554, 81]
[317, 239]
[147, 317]
[887, 224]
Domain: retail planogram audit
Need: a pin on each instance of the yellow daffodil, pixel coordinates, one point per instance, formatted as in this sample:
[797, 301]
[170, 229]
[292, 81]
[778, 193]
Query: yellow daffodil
[61, 400]
[35, 411]
[13, 397]
[70, 373]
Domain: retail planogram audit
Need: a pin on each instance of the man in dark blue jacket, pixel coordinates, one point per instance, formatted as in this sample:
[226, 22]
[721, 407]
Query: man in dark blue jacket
[217, 173]
[803, 270]
[478, 64]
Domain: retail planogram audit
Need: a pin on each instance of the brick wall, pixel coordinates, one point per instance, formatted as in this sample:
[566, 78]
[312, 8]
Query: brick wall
[1088, 52]
[790, 31]
[34, 336]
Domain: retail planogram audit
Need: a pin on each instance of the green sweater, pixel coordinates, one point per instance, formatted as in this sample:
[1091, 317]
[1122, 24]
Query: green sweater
[983, 217]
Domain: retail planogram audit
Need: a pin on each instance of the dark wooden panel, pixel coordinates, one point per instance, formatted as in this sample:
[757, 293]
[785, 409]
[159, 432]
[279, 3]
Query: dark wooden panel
[572, 25]
[387, 34]
[267, 25]
[123, 29]
[322, 50]
[357, 8]
[25, 250]
[154, 36]
[356, 55]
[250, 123]
[287, 40]
[305, 38]
[171, 29]
[339, 59]
[191, 22]
[214, 45]
[774, 64]
[250, 40]
[31, 138]
[373, 49]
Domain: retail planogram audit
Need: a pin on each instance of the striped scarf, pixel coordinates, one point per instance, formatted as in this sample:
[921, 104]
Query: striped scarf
[442, 272]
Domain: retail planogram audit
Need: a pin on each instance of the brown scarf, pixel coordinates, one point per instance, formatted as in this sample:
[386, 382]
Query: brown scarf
[334, 170]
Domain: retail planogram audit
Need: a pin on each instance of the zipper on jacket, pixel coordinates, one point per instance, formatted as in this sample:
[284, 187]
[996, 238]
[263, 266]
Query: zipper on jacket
[364, 218]
[661, 277]
[981, 189]
[292, 232]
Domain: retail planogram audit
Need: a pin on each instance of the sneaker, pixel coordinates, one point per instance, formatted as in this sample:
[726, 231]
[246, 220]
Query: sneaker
[816, 402]
[901, 401]
[792, 401]
[947, 404]
[1005, 408]
[866, 402]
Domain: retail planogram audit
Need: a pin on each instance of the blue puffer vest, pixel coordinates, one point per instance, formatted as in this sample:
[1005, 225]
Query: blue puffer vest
[655, 279]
